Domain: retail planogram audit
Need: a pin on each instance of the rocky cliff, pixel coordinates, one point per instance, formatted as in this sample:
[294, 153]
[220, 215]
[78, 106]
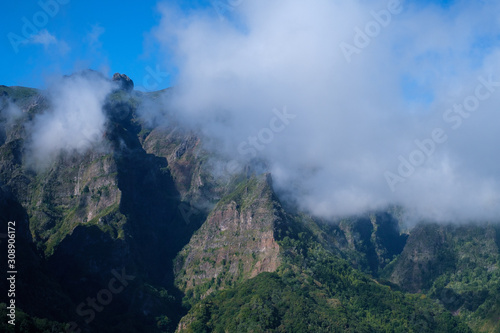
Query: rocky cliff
[198, 251]
[457, 265]
[236, 242]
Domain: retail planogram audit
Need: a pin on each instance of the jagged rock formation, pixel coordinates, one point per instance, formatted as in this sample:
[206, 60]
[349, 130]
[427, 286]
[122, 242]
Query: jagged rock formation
[237, 241]
[457, 265]
[113, 207]
[199, 246]
[424, 257]
[124, 82]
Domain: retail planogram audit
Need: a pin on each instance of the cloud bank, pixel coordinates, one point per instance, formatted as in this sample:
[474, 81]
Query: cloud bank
[392, 102]
[75, 121]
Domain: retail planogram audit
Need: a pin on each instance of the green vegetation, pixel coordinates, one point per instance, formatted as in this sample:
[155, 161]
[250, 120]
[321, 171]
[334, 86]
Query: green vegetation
[93, 213]
[294, 302]
[316, 291]
[472, 284]
[26, 324]
[245, 193]
[457, 265]
[18, 94]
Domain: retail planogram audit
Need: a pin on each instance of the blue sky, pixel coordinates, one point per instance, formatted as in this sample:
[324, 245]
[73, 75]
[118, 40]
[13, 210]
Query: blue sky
[106, 36]
[358, 114]
[109, 36]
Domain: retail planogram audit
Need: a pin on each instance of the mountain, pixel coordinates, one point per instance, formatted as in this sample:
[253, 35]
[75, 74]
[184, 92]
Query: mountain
[457, 265]
[137, 233]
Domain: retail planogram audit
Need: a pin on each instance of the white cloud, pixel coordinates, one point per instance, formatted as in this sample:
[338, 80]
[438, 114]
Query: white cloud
[75, 121]
[9, 113]
[43, 38]
[353, 119]
[46, 39]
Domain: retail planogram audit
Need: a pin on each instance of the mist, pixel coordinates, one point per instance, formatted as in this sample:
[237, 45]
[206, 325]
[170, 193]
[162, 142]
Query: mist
[75, 120]
[9, 113]
[354, 105]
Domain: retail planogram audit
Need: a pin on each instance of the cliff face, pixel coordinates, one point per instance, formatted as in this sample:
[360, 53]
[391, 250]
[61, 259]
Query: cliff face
[370, 242]
[424, 257]
[145, 202]
[116, 206]
[73, 191]
[434, 250]
[187, 163]
[236, 242]
[457, 265]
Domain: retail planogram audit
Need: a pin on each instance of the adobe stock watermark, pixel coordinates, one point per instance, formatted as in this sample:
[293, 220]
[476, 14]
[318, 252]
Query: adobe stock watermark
[454, 118]
[249, 147]
[104, 297]
[31, 27]
[224, 6]
[187, 211]
[253, 144]
[154, 78]
[363, 37]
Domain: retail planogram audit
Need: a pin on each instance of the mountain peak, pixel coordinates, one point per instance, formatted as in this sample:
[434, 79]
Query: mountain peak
[124, 81]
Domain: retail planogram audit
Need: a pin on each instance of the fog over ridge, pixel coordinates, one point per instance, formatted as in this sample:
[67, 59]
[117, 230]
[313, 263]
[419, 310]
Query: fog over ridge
[353, 105]
[75, 120]
[358, 115]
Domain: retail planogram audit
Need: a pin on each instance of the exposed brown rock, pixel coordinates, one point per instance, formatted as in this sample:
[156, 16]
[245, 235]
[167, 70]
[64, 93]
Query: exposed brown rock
[235, 243]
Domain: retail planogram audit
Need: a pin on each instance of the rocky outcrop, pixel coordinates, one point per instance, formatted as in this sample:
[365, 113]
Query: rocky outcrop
[186, 162]
[436, 250]
[370, 242]
[133, 203]
[113, 207]
[124, 82]
[424, 257]
[236, 242]
[84, 189]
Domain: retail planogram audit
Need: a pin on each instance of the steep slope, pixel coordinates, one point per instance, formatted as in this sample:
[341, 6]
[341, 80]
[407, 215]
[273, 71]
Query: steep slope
[224, 254]
[369, 241]
[31, 268]
[459, 266]
[312, 290]
[426, 256]
[113, 210]
[187, 165]
[235, 243]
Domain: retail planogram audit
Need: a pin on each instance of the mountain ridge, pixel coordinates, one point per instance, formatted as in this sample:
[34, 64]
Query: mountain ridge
[145, 202]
